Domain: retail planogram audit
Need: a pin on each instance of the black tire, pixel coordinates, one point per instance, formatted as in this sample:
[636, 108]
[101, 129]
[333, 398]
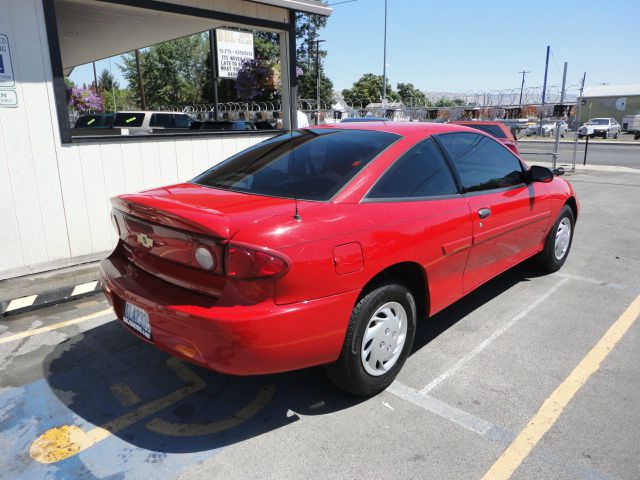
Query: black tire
[616, 135]
[546, 259]
[605, 135]
[348, 372]
[580, 136]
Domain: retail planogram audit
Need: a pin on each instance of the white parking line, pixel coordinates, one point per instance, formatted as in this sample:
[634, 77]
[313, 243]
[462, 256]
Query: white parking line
[484, 344]
[440, 408]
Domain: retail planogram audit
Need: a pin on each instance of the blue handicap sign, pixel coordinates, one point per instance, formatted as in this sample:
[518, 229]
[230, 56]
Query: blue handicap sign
[1, 64]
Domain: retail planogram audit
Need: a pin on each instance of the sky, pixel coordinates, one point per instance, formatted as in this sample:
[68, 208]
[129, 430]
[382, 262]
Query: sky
[474, 45]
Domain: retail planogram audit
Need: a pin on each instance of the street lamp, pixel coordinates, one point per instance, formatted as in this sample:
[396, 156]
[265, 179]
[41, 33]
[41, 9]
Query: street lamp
[318, 42]
[384, 60]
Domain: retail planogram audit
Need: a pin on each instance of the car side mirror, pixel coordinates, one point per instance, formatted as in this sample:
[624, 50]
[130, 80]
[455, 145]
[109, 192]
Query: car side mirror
[540, 174]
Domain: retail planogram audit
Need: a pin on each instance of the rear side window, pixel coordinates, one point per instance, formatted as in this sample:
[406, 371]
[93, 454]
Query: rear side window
[182, 121]
[493, 130]
[162, 120]
[125, 120]
[483, 164]
[421, 172]
[308, 164]
[94, 121]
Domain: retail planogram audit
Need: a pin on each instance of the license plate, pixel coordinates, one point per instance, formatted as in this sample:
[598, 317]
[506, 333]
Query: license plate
[137, 319]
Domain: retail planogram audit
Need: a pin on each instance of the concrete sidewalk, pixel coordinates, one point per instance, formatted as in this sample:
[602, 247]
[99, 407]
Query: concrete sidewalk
[571, 141]
[48, 288]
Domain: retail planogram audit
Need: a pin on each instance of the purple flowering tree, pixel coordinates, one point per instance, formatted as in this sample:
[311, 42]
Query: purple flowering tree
[257, 80]
[82, 99]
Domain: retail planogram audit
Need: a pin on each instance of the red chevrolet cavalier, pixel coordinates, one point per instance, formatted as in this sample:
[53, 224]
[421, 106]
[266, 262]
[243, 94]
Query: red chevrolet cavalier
[325, 246]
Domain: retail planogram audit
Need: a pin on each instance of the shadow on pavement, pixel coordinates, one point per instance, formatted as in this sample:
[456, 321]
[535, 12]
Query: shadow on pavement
[108, 377]
[429, 329]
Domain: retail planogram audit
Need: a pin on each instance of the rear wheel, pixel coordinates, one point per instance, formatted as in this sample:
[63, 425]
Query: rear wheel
[558, 242]
[378, 340]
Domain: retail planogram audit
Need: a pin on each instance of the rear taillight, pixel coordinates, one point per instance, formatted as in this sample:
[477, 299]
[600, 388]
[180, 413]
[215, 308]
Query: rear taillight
[247, 263]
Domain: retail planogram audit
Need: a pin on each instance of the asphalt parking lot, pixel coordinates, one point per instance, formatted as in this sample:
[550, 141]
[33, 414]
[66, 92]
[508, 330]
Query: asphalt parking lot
[542, 366]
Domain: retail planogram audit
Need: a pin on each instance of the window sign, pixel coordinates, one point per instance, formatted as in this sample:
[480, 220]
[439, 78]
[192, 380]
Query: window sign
[8, 98]
[233, 48]
[6, 67]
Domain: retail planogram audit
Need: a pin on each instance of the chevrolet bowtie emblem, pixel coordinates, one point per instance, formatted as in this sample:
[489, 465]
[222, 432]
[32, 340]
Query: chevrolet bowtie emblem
[144, 240]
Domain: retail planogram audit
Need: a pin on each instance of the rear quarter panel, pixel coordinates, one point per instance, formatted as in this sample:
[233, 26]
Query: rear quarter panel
[434, 234]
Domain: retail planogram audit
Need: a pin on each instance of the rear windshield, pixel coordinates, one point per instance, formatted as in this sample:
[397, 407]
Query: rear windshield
[493, 130]
[323, 162]
[128, 120]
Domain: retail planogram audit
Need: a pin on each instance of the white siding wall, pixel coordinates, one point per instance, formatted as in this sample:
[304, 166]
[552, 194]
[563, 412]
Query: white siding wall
[54, 207]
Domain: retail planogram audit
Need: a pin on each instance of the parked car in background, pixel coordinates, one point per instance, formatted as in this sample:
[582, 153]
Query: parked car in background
[631, 123]
[497, 130]
[548, 128]
[326, 246]
[147, 122]
[223, 125]
[364, 119]
[600, 127]
[95, 120]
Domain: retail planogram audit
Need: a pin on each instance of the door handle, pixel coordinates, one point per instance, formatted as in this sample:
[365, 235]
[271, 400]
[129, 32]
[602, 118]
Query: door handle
[484, 212]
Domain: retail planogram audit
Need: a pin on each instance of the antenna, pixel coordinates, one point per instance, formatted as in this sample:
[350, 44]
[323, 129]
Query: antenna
[296, 215]
[293, 112]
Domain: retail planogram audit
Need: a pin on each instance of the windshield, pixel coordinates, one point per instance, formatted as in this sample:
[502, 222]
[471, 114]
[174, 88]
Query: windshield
[323, 162]
[598, 121]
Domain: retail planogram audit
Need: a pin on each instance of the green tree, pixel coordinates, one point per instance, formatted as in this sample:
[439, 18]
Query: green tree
[173, 72]
[308, 86]
[448, 102]
[369, 88]
[266, 46]
[411, 96]
[106, 81]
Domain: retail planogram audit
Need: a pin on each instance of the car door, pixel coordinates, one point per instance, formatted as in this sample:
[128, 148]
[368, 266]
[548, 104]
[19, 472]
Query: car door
[433, 218]
[509, 216]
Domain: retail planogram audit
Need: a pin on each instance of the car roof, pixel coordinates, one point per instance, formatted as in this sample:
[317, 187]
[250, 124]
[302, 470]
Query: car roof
[477, 122]
[400, 128]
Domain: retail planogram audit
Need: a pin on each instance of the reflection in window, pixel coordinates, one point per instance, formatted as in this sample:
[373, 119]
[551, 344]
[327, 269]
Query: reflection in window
[482, 162]
[421, 172]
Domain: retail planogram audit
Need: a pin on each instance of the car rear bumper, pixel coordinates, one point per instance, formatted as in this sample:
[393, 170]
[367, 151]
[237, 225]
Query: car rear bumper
[235, 339]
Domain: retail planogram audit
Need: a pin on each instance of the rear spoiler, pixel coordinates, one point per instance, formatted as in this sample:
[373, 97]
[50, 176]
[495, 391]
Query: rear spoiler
[170, 213]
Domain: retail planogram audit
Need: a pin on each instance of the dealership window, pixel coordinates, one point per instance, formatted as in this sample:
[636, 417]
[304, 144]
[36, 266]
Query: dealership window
[163, 69]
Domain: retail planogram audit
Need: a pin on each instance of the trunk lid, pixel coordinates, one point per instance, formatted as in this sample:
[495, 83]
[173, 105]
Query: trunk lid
[160, 229]
[204, 210]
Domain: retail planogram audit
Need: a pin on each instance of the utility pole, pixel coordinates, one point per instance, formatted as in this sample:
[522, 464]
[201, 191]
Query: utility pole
[524, 72]
[577, 124]
[557, 142]
[213, 53]
[384, 60]
[143, 98]
[318, 79]
[544, 88]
